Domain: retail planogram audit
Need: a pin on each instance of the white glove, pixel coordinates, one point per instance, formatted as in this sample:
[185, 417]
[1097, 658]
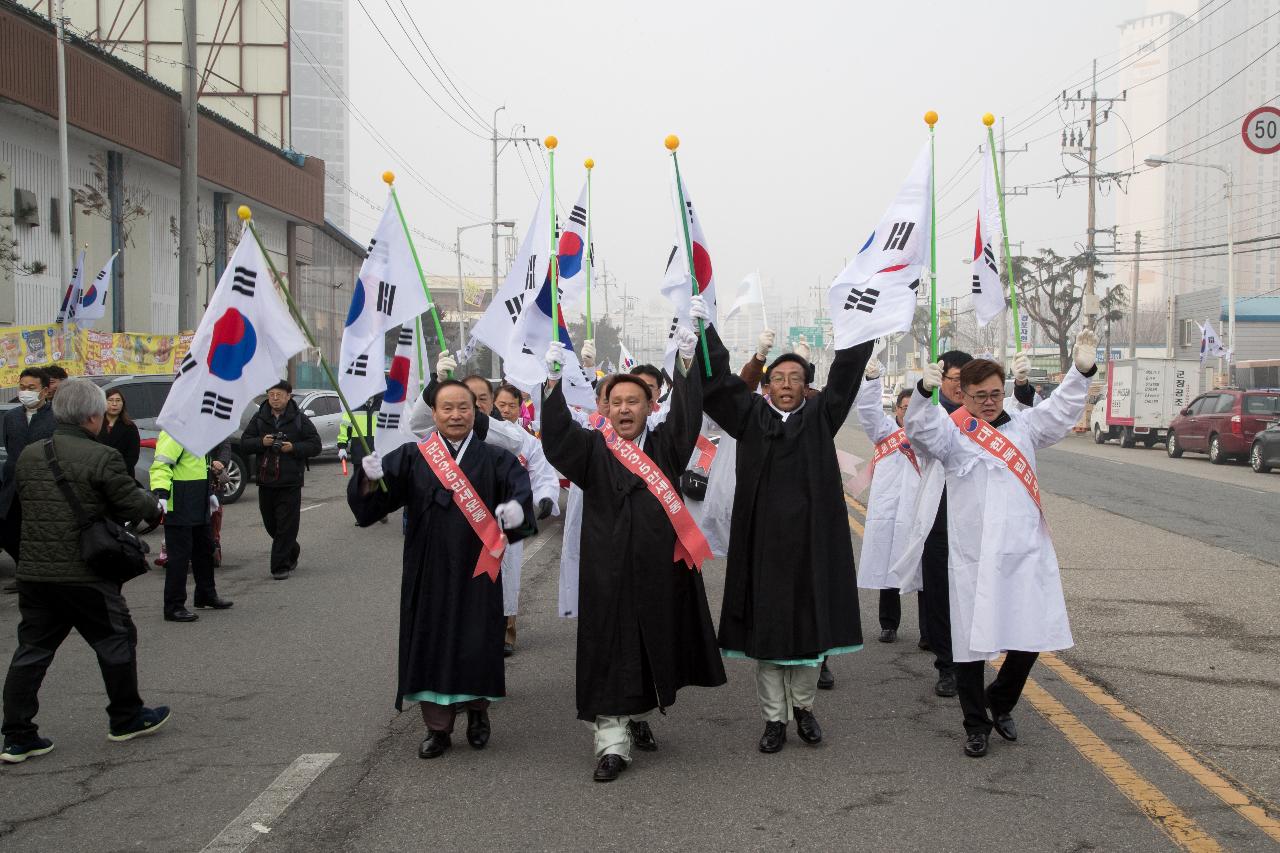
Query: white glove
[765, 343]
[932, 378]
[342, 454]
[372, 465]
[213, 503]
[510, 515]
[1086, 352]
[874, 369]
[1021, 368]
[802, 350]
[444, 366]
[698, 309]
[588, 354]
[163, 504]
[686, 342]
[555, 360]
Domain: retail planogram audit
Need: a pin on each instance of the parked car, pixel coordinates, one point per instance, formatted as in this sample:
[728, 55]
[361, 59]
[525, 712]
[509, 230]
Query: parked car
[1265, 452]
[321, 406]
[1222, 423]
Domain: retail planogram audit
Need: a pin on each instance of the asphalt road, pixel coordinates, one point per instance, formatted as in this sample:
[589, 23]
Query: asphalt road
[1174, 628]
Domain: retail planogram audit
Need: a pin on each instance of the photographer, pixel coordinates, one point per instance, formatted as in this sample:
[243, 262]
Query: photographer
[284, 438]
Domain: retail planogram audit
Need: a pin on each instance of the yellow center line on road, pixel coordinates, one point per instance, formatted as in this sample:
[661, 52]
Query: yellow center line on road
[853, 522]
[1149, 799]
[1252, 808]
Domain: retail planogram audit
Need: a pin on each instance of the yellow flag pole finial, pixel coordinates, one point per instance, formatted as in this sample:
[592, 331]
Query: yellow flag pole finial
[988, 119]
[589, 163]
[672, 142]
[244, 213]
[931, 118]
[551, 142]
[388, 177]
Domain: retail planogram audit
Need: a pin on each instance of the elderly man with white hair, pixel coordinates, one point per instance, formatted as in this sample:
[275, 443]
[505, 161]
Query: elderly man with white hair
[57, 591]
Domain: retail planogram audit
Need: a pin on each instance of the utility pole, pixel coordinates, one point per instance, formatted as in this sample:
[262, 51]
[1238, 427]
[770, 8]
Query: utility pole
[188, 188]
[1005, 192]
[64, 192]
[1091, 302]
[496, 367]
[1133, 318]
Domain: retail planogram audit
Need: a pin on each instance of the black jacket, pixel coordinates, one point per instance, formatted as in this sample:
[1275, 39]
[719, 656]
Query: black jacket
[17, 434]
[277, 469]
[123, 437]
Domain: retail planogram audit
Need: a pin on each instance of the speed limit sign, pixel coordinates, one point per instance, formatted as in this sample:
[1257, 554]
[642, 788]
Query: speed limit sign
[1261, 130]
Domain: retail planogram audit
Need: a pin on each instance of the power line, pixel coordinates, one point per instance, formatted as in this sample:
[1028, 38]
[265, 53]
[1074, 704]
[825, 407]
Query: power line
[466, 110]
[440, 64]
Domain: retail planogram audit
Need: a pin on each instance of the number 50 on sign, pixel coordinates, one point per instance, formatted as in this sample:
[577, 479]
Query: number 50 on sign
[1261, 130]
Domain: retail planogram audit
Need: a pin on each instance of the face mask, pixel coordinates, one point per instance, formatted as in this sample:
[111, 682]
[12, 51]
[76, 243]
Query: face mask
[29, 398]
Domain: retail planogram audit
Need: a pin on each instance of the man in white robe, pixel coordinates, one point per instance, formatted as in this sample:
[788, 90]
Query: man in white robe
[1005, 591]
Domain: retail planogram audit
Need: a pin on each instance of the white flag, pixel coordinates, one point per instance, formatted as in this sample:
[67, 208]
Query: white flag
[403, 384]
[71, 298]
[676, 284]
[93, 299]
[988, 292]
[571, 254]
[749, 293]
[241, 349]
[1210, 346]
[875, 295]
[387, 293]
[625, 360]
[496, 328]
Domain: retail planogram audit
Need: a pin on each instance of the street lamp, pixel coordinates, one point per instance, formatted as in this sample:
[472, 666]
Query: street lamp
[457, 250]
[1155, 162]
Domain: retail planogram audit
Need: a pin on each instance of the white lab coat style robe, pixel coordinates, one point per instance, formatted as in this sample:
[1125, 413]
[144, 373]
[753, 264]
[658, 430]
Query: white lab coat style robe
[893, 496]
[1005, 589]
[571, 546]
[714, 513]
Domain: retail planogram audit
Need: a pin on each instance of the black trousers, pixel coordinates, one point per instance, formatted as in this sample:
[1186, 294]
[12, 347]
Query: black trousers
[1000, 697]
[11, 529]
[48, 613]
[891, 609]
[190, 548]
[281, 510]
[935, 598]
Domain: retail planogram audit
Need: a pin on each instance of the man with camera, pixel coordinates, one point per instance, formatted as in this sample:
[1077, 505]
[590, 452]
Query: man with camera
[285, 439]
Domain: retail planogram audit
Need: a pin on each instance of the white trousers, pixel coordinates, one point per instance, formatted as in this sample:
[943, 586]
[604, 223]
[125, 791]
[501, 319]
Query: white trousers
[512, 563]
[782, 688]
[612, 736]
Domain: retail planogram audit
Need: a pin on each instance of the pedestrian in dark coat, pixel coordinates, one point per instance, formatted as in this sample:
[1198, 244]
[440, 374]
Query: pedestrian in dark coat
[31, 421]
[119, 431]
[790, 594]
[644, 627]
[451, 622]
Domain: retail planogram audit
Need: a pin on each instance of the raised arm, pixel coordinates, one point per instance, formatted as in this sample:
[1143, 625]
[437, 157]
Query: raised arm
[725, 397]
[543, 478]
[843, 381]
[678, 434]
[870, 409]
[928, 428]
[568, 446]
[1053, 420]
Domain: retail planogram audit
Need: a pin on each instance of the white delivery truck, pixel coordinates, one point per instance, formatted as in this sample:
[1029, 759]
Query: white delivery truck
[1143, 396]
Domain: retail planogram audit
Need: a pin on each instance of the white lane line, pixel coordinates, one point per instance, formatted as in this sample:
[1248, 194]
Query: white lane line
[313, 506]
[270, 804]
[530, 553]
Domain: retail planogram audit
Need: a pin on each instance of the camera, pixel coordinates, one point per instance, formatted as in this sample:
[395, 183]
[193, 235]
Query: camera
[277, 442]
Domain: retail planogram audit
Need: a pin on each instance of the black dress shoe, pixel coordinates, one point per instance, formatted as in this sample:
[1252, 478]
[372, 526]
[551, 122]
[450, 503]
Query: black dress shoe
[434, 744]
[477, 728]
[826, 680]
[922, 644]
[609, 768]
[889, 635]
[775, 735]
[946, 686]
[180, 615]
[642, 736]
[217, 603]
[1005, 726]
[508, 650]
[975, 745]
[807, 726]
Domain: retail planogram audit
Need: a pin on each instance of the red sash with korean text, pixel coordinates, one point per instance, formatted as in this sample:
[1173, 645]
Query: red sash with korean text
[994, 442]
[895, 441]
[492, 540]
[691, 545]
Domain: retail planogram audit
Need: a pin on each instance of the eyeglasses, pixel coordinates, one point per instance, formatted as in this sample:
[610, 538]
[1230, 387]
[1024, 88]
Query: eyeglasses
[985, 396]
[951, 378]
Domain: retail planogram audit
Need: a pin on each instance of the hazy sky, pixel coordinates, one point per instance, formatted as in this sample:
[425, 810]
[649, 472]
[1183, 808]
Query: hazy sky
[797, 121]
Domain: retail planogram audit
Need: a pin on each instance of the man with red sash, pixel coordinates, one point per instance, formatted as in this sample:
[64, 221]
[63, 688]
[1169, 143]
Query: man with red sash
[790, 592]
[644, 627]
[465, 501]
[1005, 590]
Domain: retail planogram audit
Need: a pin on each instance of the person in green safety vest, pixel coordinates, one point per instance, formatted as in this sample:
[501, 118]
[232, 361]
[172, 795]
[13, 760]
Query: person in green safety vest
[366, 422]
[183, 482]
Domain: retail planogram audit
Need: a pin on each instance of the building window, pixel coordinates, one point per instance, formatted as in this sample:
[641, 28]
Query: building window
[1190, 333]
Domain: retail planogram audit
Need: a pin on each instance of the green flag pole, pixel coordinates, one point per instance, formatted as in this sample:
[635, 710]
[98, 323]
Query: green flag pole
[590, 164]
[553, 270]
[931, 118]
[390, 178]
[673, 142]
[417, 343]
[990, 120]
[246, 216]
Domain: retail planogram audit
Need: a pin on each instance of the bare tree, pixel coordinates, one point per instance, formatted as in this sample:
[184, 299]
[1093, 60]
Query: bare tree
[94, 200]
[1051, 292]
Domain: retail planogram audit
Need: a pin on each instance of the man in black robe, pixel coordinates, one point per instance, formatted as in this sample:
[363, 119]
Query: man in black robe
[451, 622]
[644, 628]
[790, 595]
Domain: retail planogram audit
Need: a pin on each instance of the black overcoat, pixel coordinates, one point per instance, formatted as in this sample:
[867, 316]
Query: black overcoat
[644, 628]
[790, 590]
[451, 624]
